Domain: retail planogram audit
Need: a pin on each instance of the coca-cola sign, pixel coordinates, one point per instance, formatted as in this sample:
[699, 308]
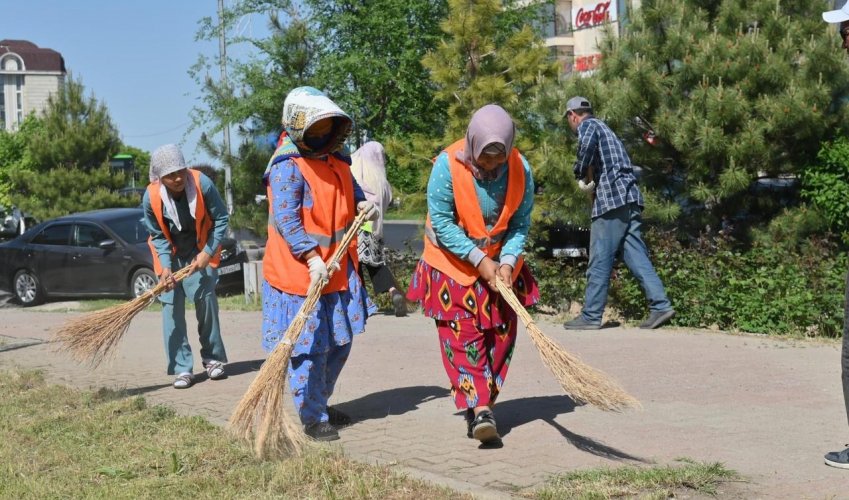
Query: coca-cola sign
[593, 14]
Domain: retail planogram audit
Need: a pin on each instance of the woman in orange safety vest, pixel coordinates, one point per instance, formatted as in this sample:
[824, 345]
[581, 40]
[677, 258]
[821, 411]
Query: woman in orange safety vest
[313, 200]
[479, 198]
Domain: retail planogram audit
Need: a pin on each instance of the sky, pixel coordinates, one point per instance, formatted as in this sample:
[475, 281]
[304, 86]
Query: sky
[132, 55]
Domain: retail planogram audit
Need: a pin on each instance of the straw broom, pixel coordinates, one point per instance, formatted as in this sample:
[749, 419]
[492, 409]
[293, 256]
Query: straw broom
[260, 414]
[581, 382]
[92, 338]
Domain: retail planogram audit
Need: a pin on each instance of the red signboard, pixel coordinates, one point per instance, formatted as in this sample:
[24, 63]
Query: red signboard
[593, 16]
[587, 63]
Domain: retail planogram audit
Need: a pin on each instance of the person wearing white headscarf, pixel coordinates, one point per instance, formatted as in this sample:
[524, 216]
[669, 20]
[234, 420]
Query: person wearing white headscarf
[312, 193]
[187, 220]
[368, 164]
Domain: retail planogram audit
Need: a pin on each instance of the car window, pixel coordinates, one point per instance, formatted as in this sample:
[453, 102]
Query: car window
[129, 228]
[57, 234]
[90, 235]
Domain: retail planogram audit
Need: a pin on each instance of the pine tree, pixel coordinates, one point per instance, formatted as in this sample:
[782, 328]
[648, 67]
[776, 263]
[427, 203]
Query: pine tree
[733, 89]
[65, 167]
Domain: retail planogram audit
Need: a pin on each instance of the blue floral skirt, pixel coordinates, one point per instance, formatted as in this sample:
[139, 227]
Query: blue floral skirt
[338, 316]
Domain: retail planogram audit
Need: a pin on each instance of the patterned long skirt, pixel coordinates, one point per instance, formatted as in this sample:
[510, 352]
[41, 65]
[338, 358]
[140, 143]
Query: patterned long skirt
[476, 327]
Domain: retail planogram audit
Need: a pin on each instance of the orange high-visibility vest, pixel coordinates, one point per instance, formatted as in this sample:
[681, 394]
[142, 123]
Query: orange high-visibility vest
[203, 224]
[331, 215]
[470, 218]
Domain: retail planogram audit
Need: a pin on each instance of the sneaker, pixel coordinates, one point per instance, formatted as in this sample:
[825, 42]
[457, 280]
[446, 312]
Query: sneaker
[657, 318]
[399, 303]
[322, 431]
[214, 370]
[483, 427]
[580, 323]
[337, 418]
[839, 459]
[183, 381]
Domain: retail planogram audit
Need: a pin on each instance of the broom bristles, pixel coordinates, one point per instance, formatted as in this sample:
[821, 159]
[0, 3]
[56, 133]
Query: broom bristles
[260, 413]
[580, 381]
[92, 338]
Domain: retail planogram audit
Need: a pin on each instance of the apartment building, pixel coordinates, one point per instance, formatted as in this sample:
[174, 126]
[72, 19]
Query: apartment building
[28, 75]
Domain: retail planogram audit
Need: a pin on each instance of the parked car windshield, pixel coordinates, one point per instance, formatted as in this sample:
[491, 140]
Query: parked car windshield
[129, 228]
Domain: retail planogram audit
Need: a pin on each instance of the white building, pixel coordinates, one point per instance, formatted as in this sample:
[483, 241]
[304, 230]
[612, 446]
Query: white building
[28, 75]
[575, 27]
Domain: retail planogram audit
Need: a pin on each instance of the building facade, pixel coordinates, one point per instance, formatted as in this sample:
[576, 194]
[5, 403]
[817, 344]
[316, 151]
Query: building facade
[574, 28]
[28, 75]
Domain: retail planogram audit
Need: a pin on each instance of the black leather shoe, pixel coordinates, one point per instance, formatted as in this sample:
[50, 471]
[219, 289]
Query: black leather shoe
[337, 417]
[322, 431]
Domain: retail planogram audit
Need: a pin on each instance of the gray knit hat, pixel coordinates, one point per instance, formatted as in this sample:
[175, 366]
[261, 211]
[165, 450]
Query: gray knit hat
[165, 160]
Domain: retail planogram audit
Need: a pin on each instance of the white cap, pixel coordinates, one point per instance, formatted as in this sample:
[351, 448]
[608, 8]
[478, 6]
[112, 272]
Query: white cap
[837, 16]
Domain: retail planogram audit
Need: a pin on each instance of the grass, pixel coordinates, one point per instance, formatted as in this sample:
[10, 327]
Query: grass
[57, 442]
[647, 483]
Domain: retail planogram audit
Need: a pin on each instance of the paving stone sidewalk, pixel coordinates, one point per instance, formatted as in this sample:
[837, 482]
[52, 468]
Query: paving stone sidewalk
[767, 408]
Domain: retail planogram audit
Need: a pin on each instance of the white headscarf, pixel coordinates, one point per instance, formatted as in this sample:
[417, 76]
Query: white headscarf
[368, 164]
[166, 160]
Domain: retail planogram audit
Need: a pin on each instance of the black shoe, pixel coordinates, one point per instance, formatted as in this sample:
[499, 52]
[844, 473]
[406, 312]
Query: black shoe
[657, 318]
[470, 423]
[322, 431]
[483, 428]
[399, 303]
[839, 459]
[337, 417]
[580, 323]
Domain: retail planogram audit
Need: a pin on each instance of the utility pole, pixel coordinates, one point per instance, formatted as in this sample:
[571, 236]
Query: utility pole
[222, 51]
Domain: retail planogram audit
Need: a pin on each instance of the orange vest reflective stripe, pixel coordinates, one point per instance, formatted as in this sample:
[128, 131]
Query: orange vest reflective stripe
[470, 218]
[332, 212]
[203, 224]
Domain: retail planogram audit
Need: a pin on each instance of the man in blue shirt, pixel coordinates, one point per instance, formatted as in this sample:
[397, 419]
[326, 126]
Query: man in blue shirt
[616, 219]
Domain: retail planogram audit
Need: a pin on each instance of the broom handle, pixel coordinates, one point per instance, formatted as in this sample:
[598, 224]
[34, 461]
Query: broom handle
[314, 292]
[160, 287]
[507, 292]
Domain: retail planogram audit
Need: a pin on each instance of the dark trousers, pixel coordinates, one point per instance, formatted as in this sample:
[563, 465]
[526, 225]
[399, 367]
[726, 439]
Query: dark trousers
[381, 276]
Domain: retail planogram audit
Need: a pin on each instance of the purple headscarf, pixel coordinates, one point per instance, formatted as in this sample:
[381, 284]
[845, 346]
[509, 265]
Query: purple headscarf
[490, 124]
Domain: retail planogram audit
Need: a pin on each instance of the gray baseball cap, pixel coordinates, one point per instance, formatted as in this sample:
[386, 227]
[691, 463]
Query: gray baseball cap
[165, 160]
[578, 103]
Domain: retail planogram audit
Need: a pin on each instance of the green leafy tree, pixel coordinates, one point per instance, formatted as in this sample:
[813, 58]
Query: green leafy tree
[825, 183]
[370, 62]
[14, 155]
[734, 90]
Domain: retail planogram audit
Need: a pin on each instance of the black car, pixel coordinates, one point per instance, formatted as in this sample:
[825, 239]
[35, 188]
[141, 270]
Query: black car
[97, 253]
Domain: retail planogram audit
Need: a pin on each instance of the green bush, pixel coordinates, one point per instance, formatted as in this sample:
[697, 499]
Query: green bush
[766, 289]
[826, 184]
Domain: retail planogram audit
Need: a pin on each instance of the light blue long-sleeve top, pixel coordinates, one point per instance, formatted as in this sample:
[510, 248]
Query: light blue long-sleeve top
[290, 191]
[185, 241]
[491, 196]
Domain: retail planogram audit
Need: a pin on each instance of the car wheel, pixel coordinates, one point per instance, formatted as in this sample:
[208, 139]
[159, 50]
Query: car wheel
[142, 281]
[28, 289]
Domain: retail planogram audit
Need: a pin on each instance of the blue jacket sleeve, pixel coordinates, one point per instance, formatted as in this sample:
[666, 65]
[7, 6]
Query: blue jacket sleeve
[587, 146]
[217, 211]
[520, 222]
[288, 190]
[440, 205]
[160, 242]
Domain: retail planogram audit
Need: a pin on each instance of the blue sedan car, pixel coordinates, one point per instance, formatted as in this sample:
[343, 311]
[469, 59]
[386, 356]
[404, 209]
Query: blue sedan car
[97, 253]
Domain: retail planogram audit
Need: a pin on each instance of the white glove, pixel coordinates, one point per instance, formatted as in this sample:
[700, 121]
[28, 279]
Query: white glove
[318, 270]
[371, 211]
[586, 187]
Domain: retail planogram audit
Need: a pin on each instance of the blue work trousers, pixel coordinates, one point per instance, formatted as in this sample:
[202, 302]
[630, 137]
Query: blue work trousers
[613, 232]
[312, 378]
[200, 288]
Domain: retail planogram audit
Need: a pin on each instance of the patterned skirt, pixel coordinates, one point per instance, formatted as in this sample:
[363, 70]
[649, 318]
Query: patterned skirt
[442, 298]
